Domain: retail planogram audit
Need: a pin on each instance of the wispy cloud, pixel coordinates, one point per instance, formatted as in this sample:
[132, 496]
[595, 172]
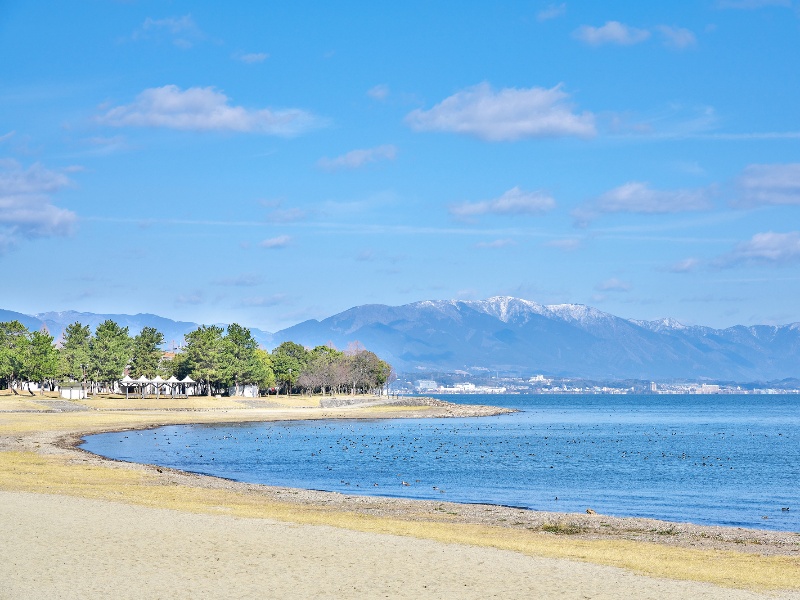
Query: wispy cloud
[619, 34]
[358, 158]
[182, 32]
[639, 197]
[752, 4]
[553, 11]
[613, 285]
[251, 58]
[513, 202]
[494, 244]
[280, 241]
[26, 204]
[379, 92]
[190, 298]
[764, 248]
[205, 109]
[566, 244]
[243, 280]
[288, 215]
[677, 37]
[613, 32]
[272, 300]
[687, 265]
[770, 184]
[505, 115]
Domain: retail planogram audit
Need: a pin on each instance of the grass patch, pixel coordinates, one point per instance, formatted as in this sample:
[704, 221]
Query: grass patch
[563, 528]
[163, 403]
[295, 401]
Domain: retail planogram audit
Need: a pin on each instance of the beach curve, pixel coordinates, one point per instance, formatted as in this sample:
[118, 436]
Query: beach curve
[38, 461]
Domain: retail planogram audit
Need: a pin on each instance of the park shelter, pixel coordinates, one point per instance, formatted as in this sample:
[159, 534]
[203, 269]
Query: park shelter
[186, 382]
[157, 382]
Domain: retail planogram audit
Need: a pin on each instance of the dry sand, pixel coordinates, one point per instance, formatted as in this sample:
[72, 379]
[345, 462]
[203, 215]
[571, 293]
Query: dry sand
[75, 525]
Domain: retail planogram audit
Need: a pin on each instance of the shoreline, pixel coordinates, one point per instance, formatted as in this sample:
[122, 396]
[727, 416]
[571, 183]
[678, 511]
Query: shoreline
[44, 459]
[576, 525]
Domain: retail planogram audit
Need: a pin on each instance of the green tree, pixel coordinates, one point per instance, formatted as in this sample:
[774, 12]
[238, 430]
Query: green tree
[368, 372]
[288, 361]
[240, 364]
[14, 340]
[146, 353]
[41, 359]
[74, 353]
[321, 369]
[265, 377]
[204, 355]
[109, 352]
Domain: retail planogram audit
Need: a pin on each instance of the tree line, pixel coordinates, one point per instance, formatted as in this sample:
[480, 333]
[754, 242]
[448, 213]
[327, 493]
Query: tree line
[216, 358]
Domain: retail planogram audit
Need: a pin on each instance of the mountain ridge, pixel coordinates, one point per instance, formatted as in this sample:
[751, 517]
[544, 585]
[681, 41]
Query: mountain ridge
[515, 335]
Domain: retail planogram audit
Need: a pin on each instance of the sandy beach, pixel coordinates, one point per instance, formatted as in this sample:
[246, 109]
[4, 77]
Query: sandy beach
[75, 525]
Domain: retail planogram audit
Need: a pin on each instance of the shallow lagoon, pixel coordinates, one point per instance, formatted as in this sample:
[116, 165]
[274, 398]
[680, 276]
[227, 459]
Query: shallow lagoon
[719, 460]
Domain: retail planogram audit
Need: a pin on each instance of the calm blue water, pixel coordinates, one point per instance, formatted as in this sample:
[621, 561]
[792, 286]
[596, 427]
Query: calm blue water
[721, 460]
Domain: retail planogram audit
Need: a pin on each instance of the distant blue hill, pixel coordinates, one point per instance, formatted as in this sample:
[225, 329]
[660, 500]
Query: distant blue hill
[571, 340]
[516, 336]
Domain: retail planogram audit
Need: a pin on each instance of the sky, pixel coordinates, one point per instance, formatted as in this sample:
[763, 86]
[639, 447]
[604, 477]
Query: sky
[267, 163]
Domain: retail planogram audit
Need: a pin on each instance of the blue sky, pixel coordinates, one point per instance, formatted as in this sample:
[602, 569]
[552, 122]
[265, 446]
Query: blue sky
[271, 162]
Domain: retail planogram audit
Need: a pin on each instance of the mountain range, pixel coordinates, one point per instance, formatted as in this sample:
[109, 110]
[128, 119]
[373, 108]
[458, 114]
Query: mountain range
[518, 336]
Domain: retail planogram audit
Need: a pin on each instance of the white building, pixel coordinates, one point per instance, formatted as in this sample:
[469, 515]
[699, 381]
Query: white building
[72, 391]
[426, 385]
[243, 391]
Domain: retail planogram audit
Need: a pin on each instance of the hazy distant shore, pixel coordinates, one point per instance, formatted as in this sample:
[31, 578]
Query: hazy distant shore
[38, 456]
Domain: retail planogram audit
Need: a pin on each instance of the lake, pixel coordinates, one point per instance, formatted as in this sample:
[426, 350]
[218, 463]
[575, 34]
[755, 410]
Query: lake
[729, 460]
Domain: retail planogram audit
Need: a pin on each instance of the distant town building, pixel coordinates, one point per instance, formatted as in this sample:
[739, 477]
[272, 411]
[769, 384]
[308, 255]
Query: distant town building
[708, 389]
[426, 385]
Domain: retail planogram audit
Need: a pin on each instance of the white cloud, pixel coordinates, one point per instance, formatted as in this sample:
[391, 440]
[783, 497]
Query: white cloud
[287, 215]
[358, 158]
[191, 299]
[273, 300]
[677, 37]
[769, 247]
[639, 197]
[252, 57]
[496, 244]
[183, 32]
[613, 285]
[751, 4]
[513, 202]
[506, 115]
[566, 244]
[552, 11]
[366, 255]
[379, 92]
[26, 207]
[277, 242]
[204, 109]
[687, 265]
[613, 32]
[770, 184]
[243, 280]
